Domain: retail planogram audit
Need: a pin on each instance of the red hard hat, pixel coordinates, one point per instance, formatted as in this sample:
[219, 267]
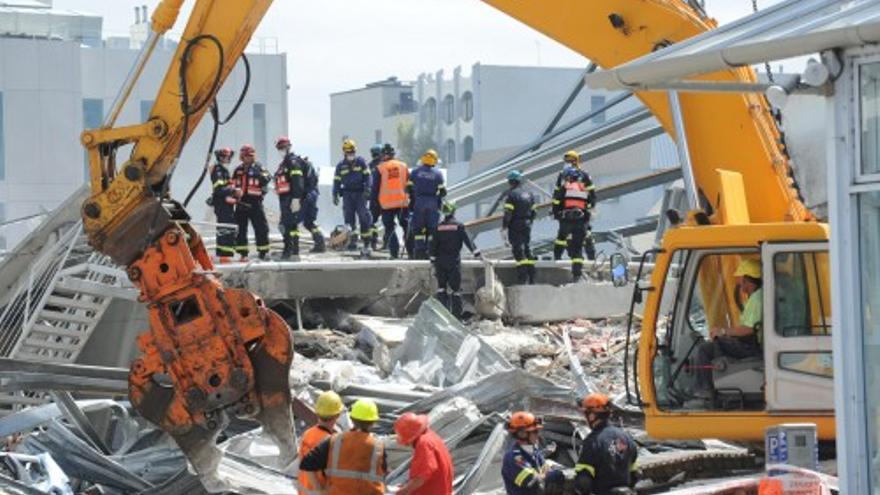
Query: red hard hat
[247, 150]
[409, 426]
[522, 420]
[282, 142]
[595, 403]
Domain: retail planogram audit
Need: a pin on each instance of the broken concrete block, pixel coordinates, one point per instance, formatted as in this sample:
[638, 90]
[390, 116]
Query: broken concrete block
[546, 303]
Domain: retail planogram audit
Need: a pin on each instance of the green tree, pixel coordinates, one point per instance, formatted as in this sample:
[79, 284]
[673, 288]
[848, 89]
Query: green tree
[412, 144]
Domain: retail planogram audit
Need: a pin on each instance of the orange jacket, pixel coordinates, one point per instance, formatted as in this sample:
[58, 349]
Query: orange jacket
[355, 464]
[312, 483]
[394, 175]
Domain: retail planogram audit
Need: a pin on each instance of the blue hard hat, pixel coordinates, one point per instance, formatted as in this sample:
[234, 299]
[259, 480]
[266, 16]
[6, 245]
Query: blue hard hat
[515, 175]
[376, 150]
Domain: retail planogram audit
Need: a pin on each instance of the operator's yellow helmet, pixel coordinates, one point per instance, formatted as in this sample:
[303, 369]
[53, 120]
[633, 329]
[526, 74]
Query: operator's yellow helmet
[329, 404]
[572, 157]
[748, 268]
[365, 410]
[430, 158]
[349, 146]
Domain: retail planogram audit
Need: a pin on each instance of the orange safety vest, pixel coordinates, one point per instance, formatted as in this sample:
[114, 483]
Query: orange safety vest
[354, 464]
[575, 196]
[392, 188]
[282, 184]
[311, 483]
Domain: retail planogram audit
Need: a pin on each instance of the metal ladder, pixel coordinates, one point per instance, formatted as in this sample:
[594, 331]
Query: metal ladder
[57, 306]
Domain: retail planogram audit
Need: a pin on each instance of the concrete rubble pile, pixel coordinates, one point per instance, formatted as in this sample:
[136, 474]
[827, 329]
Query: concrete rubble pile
[466, 377]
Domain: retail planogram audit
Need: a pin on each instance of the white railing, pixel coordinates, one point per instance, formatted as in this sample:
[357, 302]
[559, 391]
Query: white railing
[33, 288]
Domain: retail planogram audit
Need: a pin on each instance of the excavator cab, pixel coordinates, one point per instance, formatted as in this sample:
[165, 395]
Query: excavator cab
[780, 373]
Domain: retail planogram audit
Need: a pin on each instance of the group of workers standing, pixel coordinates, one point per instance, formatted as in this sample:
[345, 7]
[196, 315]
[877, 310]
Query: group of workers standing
[334, 462]
[238, 196]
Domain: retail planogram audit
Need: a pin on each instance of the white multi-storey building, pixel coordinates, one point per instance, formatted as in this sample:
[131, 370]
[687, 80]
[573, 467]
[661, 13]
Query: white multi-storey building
[58, 76]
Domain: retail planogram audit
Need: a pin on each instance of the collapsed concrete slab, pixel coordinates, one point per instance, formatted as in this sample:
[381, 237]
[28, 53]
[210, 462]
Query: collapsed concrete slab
[546, 303]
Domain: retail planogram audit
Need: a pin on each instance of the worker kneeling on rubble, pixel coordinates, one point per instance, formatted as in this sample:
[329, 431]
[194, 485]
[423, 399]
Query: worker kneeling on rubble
[328, 407]
[431, 470]
[524, 469]
[607, 461]
[353, 462]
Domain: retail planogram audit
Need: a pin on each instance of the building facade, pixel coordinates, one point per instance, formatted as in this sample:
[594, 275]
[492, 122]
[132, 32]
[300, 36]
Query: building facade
[58, 76]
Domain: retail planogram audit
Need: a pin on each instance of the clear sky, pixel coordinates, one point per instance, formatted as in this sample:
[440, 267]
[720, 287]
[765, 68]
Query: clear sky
[335, 45]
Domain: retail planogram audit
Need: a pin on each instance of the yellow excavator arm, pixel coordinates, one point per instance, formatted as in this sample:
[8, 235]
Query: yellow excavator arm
[734, 132]
[124, 208]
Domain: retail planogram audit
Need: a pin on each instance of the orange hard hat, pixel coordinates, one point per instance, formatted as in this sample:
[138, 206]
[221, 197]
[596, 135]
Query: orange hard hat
[595, 402]
[409, 426]
[522, 420]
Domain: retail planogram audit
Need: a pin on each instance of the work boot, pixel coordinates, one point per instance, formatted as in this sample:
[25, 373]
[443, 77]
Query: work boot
[318, 244]
[522, 274]
[353, 242]
[531, 273]
[590, 248]
[263, 255]
[456, 307]
[294, 245]
[393, 245]
[288, 250]
[558, 252]
[374, 240]
[577, 271]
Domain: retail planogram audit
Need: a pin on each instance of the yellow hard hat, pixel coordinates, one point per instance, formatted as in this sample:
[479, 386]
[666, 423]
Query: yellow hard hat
[349, 146]
[365, 410]
[329, 404]
[572, 156]
[430, 158]
[748, 268]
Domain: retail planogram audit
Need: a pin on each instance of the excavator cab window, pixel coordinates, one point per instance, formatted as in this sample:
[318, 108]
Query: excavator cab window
[701, 366]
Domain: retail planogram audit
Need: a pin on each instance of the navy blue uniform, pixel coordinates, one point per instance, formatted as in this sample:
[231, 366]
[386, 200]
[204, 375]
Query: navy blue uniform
[426, 191]
[308, 215]
[564, 233]
[446, 244]
[354, 184]
[253, 181]
[223, 200]
[375, 207]
[292, 179]
[521, 471]
[519, 213]
[607, 460]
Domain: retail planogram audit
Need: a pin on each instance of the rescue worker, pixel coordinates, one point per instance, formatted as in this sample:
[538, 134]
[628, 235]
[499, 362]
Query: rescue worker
[573, 163]
[446, 244]
[328, 407]
[740, 341]
[223, 198]
[524, 469]
[375, 209]
[353, 462]
[293, 180]
[607, 461]
[354, 184]
[252, 180]
[390, 186]
[431, 471]
[571, 208]
[426, 192]
[519, 213]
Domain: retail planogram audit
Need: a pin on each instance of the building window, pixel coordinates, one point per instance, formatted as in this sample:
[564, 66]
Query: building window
[597, 102]
[93, 115]
[450, 151]
[146, 108]
[378, 136]
[260, 129]
[467, 106]
[869, 89]
[2, 142]
[449, 109]
[429, 111]
[468, 148]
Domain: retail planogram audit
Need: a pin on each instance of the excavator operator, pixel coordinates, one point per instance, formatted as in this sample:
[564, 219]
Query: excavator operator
[738, 342]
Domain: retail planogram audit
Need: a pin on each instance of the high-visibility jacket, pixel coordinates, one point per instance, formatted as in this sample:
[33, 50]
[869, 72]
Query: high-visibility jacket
[394, 176]
[354, 464]
[575, 196]
[312, 483]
